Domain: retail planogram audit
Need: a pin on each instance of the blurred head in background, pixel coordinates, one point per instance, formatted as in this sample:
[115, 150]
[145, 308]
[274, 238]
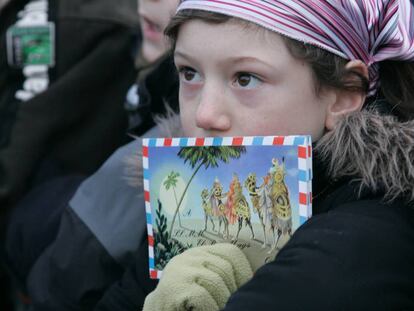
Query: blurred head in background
[154, 17]
[3, 3]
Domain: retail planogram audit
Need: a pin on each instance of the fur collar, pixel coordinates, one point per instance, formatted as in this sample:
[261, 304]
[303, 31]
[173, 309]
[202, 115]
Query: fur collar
[375, 150]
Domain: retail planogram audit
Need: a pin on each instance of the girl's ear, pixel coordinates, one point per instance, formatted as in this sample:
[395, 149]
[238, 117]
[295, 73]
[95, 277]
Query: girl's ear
[346, 102]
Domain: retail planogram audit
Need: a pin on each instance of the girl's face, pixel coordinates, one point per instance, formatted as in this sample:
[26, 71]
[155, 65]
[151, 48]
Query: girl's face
[154, 17]
[241, 80]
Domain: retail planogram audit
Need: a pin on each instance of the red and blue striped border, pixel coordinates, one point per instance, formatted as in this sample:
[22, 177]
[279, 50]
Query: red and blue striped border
[227, 141]
[303, 143]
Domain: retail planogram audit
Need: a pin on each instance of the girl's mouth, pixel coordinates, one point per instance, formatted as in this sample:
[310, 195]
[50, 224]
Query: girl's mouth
[150, 30]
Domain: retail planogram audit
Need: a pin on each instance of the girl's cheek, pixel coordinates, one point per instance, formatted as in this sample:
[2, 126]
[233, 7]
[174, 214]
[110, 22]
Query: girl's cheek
[188, 105]
[188, 119]
[189, 90]
[250, 98]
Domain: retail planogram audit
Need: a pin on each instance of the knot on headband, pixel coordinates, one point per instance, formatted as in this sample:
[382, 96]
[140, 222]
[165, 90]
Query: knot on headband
[379, 29]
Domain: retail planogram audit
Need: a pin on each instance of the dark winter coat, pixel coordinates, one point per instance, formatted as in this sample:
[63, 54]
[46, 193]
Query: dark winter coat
[101, 229]
[79, 120]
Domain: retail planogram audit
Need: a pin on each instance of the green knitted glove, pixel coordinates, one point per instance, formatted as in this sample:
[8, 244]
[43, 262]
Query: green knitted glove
[200, 279]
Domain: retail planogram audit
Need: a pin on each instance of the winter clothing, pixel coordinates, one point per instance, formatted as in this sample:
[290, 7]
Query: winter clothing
[31, 229]
[158, 88]
[205, 279]
[78, 120]
[356, 252]
[130, 291]
[94, 242]
[102, 228]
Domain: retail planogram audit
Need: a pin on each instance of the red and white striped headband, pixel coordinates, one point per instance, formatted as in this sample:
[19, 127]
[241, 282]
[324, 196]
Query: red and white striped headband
[366, 30]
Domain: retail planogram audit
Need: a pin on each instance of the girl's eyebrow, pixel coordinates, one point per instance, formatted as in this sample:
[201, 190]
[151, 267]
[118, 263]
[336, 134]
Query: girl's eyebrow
[249, 59]
[233, 60]
[182, 55]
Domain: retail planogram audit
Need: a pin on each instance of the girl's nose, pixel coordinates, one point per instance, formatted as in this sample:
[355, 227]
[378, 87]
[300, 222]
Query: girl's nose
[212, 114]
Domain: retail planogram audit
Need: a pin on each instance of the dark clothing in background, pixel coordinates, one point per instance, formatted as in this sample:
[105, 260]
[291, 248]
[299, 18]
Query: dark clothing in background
[129, 293]
[69, 129]
[73, 126]
[35, 221]
[101, 229]
[158, 88]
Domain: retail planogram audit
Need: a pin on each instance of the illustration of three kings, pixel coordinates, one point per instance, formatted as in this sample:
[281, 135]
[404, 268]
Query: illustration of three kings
[270, 201]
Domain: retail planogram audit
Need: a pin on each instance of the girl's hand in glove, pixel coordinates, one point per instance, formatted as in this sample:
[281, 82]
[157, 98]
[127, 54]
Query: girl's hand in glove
[200, 279]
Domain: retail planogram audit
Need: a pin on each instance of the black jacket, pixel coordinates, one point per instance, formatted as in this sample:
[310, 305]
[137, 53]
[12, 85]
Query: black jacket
[73, 126]
[355, 253]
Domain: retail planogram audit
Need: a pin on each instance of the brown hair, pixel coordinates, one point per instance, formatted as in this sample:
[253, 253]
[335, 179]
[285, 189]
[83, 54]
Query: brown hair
[396, 78]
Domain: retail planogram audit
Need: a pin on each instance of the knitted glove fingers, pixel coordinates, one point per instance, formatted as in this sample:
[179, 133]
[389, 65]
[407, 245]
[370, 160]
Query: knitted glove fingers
[207, 292]
[199, 270]
[241, 268]
[186, 287]
[213, 267]
[225, 271]
[211, 279]
[180, 299]
[221, 269]
[200, 279]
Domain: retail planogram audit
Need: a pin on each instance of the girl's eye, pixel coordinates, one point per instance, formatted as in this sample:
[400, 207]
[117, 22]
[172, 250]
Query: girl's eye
[247, 81]
[189, 75]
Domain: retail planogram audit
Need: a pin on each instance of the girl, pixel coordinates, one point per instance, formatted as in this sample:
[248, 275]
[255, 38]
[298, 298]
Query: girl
[342, 71]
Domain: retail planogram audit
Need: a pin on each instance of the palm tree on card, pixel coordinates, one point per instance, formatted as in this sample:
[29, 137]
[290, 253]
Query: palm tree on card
[171, 183]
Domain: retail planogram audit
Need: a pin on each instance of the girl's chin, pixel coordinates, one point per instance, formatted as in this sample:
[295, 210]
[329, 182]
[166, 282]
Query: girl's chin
[152, 52]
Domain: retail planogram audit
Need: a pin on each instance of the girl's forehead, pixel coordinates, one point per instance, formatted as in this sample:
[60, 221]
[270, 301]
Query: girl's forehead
[232, 37]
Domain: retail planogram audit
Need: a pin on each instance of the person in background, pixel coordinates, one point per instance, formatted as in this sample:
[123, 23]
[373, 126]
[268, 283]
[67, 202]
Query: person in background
[61, 112]
[5, 294]
[98, 228]
[60, 106]
[3, 4]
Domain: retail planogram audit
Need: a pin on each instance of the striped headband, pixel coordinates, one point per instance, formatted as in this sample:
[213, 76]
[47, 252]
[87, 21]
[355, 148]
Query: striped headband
[366, 30]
